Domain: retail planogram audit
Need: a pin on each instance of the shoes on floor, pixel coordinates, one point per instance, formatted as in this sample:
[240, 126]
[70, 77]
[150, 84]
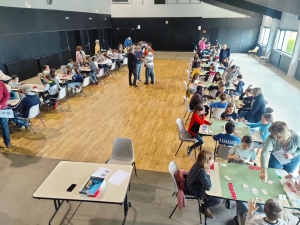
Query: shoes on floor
[207, 213]
[189, 150]
[146, 83]
[135, 86]
[235, 220]
[227, 204]
[130, 84]
[8, 146]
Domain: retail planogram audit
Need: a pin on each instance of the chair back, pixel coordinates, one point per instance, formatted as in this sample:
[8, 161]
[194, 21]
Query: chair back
[217, 112]
[113, 66]
[123, 148]
[173, 168]
[188, 74]
[181, 129]
[186, 104]
[62, 93]
[64, 69]
[268, 55]
[185, 85]
[125, 61]
[100, 73]
[33, 111]
[86, 82]
[210, 78]
[223, 151]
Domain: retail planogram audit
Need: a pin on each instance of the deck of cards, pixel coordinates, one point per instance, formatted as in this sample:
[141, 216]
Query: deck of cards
[232, 191]
[227, 177]
[254, 191]
[254, 167]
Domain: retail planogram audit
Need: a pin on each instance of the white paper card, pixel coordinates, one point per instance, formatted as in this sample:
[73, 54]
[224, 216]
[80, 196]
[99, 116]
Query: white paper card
[280, 157]
[6, 113]
[101, 172]
[119, 177]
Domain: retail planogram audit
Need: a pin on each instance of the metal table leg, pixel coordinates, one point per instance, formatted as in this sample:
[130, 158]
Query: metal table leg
[126, 207]
[57, 205]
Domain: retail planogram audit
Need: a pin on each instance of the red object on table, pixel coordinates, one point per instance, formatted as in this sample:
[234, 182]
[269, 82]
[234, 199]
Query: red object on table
[212, 167]
[34, 86]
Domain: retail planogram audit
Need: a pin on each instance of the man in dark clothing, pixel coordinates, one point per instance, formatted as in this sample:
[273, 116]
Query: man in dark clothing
[224, 53]
[23, 107]
[199, 97]
[132, 60]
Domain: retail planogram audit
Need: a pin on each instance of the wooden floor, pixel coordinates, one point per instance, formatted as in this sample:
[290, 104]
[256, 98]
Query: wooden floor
[146, 114]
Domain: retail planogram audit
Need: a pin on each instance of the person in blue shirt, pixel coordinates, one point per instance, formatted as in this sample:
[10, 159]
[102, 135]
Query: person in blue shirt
[264, 124]
[228, 138]
[77, 79]
[222, 104]
[127, 42]
[239, 86]
[138, 54]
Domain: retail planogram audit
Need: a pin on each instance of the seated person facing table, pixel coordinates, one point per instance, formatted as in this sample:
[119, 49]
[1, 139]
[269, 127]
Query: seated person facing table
[239, 86]
[56, 78]
[77, 79]
[45, 72]
[23, 107]
[94, 71]
[51, 88]
[228, 138]
[222, 90]
[229, 113]
[70, 64]
[200, 97]
[217, 82]
[222, 104]
[247, 100]
[106, 64]
[196, 70]
[194, 83]
[14, 82]
[197, 120]
[198, 181]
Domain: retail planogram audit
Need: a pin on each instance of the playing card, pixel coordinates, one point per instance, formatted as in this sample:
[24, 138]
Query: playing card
[270, 182]
[245, 187]
[254, 191]
[282, 197]
[259, 200]
[264, 191]
[223, 164]
[227, 177]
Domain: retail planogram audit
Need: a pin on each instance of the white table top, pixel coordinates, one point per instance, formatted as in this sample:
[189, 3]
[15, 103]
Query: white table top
[65, 77]
[66, 173]
[216, 189]
[85, 69]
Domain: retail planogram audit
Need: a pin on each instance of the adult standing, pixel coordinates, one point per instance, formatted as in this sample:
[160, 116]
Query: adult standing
[97, 47]
[4, 96]
[202, 45]
[138, 55]
[257, 109]
[231, 74]
[127, 42]
[132, 61]
[283, 139]
[148, 49]
[79, 58]
[224, 53]
[201, 40]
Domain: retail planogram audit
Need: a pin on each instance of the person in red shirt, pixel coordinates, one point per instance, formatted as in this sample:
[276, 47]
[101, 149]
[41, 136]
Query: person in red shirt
[147, 50]
[198, 118]
[4, 96]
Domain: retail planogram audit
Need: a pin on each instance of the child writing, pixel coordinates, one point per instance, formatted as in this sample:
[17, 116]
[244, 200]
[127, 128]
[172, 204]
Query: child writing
[264, 124]
[229, 113]
[198, 181]
[228, 138]
[198, 118]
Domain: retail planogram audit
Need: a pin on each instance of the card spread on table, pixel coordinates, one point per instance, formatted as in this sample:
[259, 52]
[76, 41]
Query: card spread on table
[254, 167]
[264, 191]
[227, 177]
[254, 191]
[232, 191]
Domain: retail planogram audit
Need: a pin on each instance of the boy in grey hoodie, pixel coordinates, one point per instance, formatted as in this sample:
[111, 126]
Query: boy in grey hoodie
[149, 64]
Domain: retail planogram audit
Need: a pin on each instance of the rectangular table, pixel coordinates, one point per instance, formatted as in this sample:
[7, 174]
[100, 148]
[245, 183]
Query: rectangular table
[65, 76]
[241, 174]
[231, 86]
[67, 173]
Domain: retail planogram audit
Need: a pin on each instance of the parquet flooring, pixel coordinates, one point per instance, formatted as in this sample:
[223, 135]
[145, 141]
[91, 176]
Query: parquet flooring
[147, 114]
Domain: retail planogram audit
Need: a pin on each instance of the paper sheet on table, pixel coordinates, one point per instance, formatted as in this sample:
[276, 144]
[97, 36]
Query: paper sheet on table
[6, 113]
[101, 172]
[280, 157]
[119, 177]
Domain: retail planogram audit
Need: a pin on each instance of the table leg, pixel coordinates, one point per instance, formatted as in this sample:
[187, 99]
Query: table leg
[126, 207]
[57, 205]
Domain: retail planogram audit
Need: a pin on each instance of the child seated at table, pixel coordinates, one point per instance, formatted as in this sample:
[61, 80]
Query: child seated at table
[77, 79]
[198, 181]
[195, 62]
[94, 71]
[198, 118]
[218, 80]
[85, 62]
[115, 53]
[271, 213]
[264, 124]
[212, 72]
[221, 104]
[70, 64]
[222, 90]
[239, 86]
[56, 78]
[229, 113]
[14, 82]
[197, 70]
[230, 137]
[195, 82]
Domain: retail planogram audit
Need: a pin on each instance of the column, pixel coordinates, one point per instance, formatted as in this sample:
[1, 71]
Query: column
[273, 31]
[296, 54]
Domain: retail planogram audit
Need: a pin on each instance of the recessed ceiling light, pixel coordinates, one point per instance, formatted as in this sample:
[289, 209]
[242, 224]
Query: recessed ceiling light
[90, 18]
[67, 18]
[104, 18]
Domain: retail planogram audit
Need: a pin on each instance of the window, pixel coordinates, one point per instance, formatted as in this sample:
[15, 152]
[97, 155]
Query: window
[265, 36]
[285, 41]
